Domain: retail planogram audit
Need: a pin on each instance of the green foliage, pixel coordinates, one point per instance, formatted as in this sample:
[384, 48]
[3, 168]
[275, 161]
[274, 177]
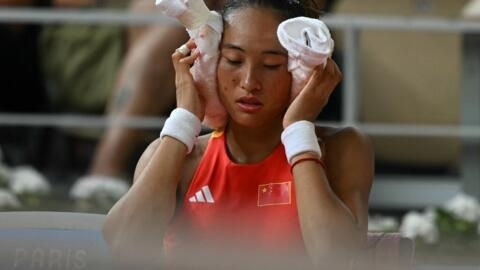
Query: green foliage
[456, 234]
[451, 227]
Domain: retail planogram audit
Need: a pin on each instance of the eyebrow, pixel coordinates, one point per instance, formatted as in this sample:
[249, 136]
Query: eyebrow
[234, 47]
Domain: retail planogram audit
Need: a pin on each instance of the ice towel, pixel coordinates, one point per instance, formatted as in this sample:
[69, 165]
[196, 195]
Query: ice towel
[205, 27]
[309, 44]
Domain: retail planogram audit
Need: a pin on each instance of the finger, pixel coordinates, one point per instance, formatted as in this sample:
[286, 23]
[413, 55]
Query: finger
[337, 70]
[333, 68]
[329, 73]
[334, 72]
[327, 68]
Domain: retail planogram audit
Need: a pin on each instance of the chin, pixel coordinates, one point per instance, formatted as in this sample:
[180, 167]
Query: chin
[251, 122]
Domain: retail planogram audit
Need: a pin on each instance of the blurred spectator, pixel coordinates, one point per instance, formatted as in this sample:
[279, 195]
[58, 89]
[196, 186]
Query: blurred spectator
[80, 61]
[79, 64]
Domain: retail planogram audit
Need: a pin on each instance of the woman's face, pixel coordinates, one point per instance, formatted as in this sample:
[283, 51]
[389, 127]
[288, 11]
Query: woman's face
[254, 83]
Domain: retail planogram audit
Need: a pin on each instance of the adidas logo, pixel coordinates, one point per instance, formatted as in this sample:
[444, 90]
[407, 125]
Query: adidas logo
[203, 195]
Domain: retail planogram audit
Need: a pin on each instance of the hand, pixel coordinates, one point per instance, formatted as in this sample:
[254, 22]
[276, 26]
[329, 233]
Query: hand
[314, 95]
[187, 94]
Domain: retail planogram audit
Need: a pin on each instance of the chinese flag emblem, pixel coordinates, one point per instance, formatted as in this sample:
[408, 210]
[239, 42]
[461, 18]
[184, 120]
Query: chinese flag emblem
[275, 194]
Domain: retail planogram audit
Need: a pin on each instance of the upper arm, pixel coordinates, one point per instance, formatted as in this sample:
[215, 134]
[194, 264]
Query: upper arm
[350, 169]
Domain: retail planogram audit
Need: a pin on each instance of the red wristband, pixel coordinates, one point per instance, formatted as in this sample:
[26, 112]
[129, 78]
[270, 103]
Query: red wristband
[315, 159]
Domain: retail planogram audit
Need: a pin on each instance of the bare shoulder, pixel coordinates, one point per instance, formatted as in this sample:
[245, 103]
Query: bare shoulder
[344, 137]
[346, 150]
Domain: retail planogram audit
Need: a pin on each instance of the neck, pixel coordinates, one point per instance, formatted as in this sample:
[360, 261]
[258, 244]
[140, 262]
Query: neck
[252, 145]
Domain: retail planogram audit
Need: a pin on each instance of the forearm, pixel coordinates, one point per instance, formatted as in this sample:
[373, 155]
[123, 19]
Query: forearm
[331, 233]
[138, 221]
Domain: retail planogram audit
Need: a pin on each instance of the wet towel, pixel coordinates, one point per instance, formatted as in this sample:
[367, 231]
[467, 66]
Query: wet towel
[309, 44]
[205, 27]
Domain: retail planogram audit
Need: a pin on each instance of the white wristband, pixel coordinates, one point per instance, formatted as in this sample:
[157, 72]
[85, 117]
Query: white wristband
[300, 137]
[183, 126]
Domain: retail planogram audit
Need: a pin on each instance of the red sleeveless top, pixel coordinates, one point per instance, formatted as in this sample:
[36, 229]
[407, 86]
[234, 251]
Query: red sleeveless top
[242, 209]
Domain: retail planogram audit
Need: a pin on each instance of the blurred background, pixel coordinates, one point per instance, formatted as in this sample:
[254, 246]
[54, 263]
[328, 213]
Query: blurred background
[85, 85]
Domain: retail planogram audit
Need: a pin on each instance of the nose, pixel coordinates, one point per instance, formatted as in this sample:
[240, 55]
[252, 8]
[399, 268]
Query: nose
[249, 80]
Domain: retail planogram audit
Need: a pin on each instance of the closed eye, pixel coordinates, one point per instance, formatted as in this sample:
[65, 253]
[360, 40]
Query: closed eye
[272, 66]
[233, 62]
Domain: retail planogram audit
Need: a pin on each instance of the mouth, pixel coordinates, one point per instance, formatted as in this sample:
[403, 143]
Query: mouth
[249, 104]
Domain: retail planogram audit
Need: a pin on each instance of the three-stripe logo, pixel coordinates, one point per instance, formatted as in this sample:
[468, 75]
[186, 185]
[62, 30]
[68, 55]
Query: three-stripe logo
[202, 196]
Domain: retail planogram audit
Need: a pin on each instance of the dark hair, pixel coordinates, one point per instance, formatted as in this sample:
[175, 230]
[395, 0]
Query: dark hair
[286, 8]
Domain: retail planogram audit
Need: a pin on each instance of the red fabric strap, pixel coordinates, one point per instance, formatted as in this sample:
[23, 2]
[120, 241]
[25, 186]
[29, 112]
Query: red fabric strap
[315, 159]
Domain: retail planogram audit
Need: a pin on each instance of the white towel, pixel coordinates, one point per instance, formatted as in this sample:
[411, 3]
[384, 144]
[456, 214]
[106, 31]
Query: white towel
[205, 27]
[309, 44]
